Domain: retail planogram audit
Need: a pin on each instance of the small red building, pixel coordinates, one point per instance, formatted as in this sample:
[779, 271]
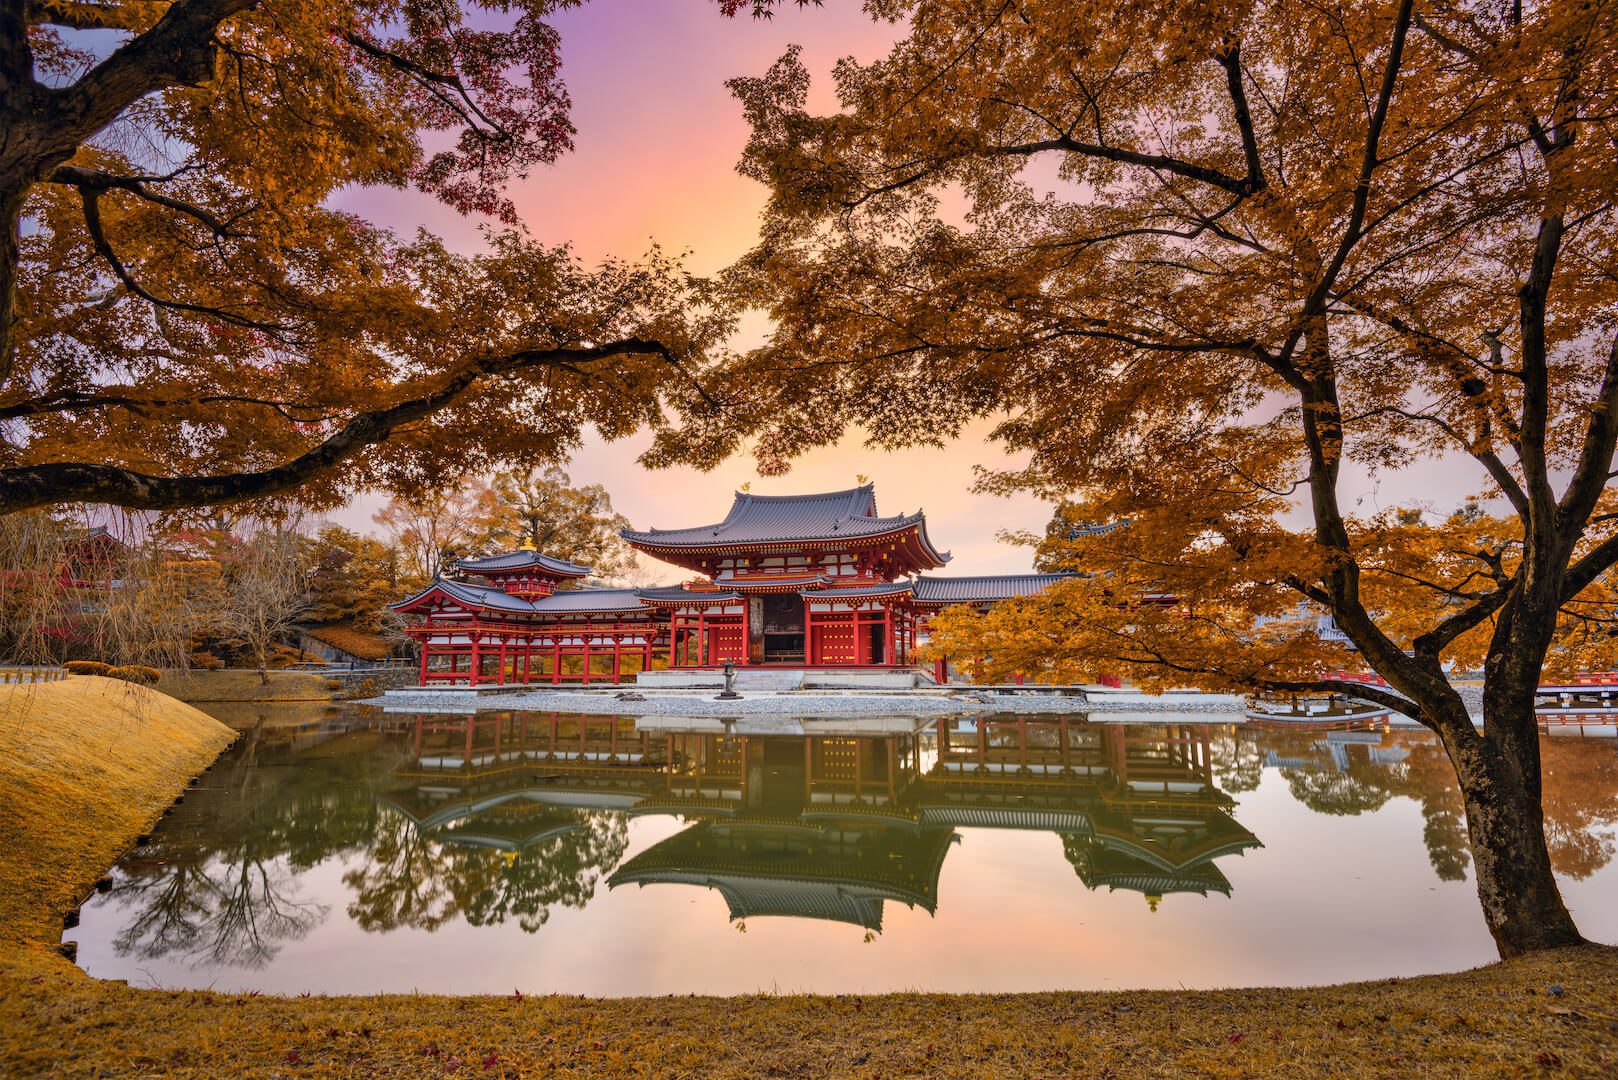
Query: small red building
[822, 581]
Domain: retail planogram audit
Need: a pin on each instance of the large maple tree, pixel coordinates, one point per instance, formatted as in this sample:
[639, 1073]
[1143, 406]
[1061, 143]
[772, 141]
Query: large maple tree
[186, 320]
[1198, 258]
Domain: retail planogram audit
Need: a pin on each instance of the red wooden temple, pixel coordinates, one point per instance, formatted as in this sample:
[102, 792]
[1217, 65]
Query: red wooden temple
[805, 581]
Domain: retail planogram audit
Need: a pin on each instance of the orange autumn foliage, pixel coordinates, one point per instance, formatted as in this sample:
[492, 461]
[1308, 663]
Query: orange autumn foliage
[184, 318]
[1194, 260]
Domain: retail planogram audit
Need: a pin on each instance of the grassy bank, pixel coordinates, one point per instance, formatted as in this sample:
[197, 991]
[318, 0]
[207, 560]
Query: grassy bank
[234, 684]
[80, 777]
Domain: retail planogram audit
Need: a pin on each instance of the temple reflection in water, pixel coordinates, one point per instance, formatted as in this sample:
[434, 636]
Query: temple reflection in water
[830, 825]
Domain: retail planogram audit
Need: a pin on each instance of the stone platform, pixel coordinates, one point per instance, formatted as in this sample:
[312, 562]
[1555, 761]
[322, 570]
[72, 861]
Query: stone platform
[784, 678]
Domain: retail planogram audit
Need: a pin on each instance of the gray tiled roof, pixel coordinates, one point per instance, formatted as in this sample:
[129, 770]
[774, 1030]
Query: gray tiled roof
[859, 592]
[521, 560]
[580, 600]
[672, 594]
[971, 590]
[831, 515]
[473, 596]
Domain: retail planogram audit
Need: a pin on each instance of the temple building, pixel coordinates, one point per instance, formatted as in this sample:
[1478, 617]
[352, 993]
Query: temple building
[820, 581]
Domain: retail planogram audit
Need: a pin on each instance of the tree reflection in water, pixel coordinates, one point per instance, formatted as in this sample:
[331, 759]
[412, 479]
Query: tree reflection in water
[1358, 772]
[413, 880]
[505, 818]
[219, 883]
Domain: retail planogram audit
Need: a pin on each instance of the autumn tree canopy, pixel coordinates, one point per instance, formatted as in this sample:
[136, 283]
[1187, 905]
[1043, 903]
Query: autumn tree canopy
[185, 319]
[544, 509]
[1197, 259]
[471, 517]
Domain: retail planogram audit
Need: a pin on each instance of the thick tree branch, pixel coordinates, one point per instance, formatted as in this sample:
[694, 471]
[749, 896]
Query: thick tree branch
[1178, 166]
[98, 237]
[72, 401]
[1595, 455]
[178, 51]
[28, 486]
[1434, 641]
[1231, 61]
[96, 181]
[1589, 566]
[1385, 698]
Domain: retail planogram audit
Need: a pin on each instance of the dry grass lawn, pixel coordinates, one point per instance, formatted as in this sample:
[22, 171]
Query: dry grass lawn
[86, 765]
[234, 684]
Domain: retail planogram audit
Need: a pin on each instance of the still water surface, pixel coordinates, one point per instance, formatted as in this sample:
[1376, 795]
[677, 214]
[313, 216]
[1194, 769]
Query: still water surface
[355, 853]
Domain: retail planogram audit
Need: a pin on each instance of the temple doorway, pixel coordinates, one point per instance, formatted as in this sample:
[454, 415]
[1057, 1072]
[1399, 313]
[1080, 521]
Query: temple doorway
[783, 628]
[874, 640]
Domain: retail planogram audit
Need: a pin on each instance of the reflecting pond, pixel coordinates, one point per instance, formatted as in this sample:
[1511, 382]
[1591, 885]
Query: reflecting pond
[354, 852]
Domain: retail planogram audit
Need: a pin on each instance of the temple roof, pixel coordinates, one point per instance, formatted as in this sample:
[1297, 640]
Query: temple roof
[679, 594]
[976, 590]
[756, 519]
[801, 876]
[475, 596]
[522, 559]
[575, 600]
[860, 592]
[568, 602]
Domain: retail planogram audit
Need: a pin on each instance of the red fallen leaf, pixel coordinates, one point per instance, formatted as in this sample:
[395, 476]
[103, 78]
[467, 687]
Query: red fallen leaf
[1550, 1059]
[452, 1064]
[304, 994]
[516, 995]
[1236, 1038]
[431, 1050]
[598, 1045]
[293, 1058]
[489, 1062]
[1344, 1027]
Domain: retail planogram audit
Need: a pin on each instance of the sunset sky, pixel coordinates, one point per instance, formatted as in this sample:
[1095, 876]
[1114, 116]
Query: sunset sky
[658, 140]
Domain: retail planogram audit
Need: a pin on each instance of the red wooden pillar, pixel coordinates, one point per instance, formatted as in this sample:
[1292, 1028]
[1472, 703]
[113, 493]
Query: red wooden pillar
[426, 647]
[617, 655]
[502, 679]
[556, 660]
[527, 659]
[477, 660]
[586, 670]
[421, 722]
[747, 631]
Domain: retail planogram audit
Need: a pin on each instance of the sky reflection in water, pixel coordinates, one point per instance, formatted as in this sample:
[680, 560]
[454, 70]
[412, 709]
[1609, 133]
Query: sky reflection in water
[595, 855]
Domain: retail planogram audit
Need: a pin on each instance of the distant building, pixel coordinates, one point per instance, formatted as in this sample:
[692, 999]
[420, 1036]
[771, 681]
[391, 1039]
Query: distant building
[819, 580]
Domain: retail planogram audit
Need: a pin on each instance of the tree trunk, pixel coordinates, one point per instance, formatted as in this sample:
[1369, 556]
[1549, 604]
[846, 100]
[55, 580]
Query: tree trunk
[11, 200]
[1500, 783]
[263, 664]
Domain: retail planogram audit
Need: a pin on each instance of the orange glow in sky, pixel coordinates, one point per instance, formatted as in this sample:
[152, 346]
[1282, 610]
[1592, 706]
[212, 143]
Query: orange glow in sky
[658, 139]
